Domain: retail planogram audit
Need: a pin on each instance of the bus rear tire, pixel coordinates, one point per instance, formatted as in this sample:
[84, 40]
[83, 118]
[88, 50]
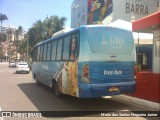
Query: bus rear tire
[37, 82]
[56, 92]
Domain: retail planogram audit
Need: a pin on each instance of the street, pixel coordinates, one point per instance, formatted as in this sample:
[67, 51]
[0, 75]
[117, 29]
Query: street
[18, 92]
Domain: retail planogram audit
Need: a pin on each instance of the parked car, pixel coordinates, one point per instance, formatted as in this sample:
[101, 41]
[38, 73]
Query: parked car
[22, 67]
[12, 64]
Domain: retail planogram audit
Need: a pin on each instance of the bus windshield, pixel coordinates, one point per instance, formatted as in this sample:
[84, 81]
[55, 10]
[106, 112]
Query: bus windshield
[110, 40]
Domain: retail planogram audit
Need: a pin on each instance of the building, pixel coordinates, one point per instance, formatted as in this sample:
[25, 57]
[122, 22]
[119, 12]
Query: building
[9, 43]
[79, 13]
[108, 12]
[144, 15]
[148, 82]
[85, 12]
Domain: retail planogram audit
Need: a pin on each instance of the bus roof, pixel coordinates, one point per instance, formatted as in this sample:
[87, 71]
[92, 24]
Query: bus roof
[73, 30]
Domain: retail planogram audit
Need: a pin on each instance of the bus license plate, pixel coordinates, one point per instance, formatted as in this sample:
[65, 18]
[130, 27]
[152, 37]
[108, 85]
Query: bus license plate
[113, 89]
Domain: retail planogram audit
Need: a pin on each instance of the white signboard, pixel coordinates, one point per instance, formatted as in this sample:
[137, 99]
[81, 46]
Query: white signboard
[85, 12]
[130, 10]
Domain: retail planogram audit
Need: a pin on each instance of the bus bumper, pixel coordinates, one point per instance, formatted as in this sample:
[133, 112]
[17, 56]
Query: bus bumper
[99, 90]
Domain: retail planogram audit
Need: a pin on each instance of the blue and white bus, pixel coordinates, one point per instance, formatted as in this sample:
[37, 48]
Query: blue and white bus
[90, 61]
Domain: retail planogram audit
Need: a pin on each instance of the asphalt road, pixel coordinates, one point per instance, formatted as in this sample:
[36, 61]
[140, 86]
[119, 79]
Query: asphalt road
[18, 92]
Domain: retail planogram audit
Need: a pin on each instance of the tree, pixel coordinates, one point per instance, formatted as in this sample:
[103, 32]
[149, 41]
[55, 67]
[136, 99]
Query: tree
[22, 48]
[3, 37]
[53, 24]
[2, 18]
[17, 43]
[18, 32]
[36, 33]
[42, 30]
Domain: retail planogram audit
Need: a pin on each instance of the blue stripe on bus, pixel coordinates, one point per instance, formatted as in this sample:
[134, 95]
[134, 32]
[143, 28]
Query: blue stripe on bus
[105, 74]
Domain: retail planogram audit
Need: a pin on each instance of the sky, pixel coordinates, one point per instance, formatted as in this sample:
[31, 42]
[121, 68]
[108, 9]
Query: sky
[26, 12]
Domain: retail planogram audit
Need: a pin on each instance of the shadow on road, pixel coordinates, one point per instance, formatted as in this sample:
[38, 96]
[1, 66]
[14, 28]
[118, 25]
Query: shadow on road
[43, 98]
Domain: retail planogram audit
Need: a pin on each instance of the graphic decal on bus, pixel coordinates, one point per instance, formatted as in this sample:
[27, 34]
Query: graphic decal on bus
[68, 81]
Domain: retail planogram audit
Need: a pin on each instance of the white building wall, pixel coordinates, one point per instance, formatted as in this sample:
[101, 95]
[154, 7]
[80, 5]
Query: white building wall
[79, 11]
[156, 51]
[130, 10]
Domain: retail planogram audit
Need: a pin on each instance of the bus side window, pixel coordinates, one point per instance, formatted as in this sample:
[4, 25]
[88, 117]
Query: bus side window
[41, 53]
[38, 53]
[74, 47]
[49, 51]
[59, 49]
[66, 48]
[44, 52]
[35, 54]
[54, 48]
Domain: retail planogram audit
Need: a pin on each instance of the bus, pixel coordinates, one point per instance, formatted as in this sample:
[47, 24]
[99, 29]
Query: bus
[87, 62]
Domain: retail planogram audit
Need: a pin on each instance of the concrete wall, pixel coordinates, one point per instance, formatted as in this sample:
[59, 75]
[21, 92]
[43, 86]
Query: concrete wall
[156, 51]
[79, 10]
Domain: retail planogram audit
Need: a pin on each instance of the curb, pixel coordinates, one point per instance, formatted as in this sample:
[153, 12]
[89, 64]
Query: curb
[146, 103]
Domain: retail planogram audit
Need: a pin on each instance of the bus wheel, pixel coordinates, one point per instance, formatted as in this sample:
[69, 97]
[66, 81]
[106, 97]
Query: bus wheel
[56, 92]
[37, 82]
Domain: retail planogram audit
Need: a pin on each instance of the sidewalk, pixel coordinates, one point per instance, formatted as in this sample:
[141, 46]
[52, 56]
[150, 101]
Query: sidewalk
[146, 103]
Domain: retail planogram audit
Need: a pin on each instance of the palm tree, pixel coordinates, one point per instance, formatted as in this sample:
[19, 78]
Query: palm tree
[53, 24]
[18, 32]
[38, 30]
[42, 30]
[2, 18]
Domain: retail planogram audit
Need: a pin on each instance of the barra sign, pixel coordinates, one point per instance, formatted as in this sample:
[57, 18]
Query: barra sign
[137, 7]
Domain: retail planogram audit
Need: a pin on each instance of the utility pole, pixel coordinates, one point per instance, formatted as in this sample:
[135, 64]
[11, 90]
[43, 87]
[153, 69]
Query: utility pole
[27, 48]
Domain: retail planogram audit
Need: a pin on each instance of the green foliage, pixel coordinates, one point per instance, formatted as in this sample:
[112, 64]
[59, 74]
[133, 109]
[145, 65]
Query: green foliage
[42, 30]
[2, 18]
[2, 37]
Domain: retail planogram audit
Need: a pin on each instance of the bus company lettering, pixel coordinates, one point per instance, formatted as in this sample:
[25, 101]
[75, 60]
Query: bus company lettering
[114, 72]
[116, 40]
[113, 40]
[45, 67]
